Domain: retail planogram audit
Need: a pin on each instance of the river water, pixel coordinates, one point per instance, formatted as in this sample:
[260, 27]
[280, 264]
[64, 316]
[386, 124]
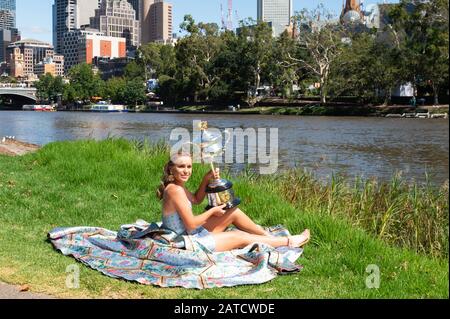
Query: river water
[352, 146]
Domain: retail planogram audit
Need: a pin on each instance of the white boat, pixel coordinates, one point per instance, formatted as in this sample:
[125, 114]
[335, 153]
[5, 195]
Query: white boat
[102, 106]
[38, 108]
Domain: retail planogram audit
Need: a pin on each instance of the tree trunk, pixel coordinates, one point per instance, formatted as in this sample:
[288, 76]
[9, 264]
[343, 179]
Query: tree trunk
[436, 94]
[323, 96]
[387, 98]
[257, 82]
[323, 91]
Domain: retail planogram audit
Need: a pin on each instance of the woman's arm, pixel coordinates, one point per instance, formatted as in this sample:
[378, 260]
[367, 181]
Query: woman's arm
[181, 203]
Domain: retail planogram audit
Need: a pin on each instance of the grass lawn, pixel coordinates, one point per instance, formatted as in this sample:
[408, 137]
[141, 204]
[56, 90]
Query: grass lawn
[113, 182]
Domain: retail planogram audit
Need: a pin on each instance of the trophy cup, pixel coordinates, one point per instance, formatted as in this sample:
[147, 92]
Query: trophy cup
[219, 191]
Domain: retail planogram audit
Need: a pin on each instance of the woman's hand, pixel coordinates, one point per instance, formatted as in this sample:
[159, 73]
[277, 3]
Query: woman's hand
[213, 175]
[218, 211]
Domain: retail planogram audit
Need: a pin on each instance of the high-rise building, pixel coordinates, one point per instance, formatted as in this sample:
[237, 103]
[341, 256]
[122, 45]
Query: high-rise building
[7, 14]
[161, 22]
[8, 31]
[83, 46]
[70, 15]
[136, 6]
[7, 36]
[276, 12]
[26, 54]
[145, 18]
[117, 18]
[156, 21]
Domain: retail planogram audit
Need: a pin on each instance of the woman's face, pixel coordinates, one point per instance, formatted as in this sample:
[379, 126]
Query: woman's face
[182, 170]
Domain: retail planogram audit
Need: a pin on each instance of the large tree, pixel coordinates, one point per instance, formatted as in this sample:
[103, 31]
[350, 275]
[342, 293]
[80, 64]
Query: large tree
[421, 33]
[320, 45]
[49, 88]
[196, 54]
[85, 83]
[255, 52]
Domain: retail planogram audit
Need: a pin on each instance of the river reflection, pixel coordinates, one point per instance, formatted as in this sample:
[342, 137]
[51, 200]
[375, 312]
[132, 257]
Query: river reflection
[353, 146]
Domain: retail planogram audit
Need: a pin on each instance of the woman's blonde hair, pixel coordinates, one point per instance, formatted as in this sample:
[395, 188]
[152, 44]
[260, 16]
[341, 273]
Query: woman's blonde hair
[167, 178]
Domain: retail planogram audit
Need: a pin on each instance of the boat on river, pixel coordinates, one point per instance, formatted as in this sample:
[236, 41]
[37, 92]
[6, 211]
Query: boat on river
[39, 108]
[105, 107]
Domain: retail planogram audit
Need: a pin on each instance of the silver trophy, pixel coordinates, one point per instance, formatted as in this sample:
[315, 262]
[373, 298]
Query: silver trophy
[220, 191]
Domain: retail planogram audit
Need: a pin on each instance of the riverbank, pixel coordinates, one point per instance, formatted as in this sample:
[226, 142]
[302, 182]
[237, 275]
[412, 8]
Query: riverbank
[311, 109]
[113, 182]
[12, 147]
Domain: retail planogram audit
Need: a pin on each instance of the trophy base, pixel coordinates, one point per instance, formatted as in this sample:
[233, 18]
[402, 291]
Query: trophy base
[235, 203]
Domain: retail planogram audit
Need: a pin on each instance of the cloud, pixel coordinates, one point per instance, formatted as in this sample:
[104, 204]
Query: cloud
[35, 30]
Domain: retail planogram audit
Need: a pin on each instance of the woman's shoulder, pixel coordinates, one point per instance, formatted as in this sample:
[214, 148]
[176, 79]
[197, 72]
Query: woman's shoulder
[173, 189]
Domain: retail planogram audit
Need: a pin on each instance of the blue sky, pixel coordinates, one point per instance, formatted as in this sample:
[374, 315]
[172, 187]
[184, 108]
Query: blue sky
[34, 18]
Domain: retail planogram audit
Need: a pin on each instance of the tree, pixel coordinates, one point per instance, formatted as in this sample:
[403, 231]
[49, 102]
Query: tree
[367, 68]
[115, 89]
[85, 83]
[320, 45]
[196, 55]
[283, 73]
[134, 70]
[168, 89]
[421, 33]
[49, 88]
[134, 92]
[255, 50]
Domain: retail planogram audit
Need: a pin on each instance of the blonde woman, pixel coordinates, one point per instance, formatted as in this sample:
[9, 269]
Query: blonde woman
[209, 228]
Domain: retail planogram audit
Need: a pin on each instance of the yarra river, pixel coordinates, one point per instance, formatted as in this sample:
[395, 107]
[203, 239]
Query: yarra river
[352, 146]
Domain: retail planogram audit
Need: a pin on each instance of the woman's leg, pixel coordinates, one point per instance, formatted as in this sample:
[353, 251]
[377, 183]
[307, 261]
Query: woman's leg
[227, 241]
[237, 218]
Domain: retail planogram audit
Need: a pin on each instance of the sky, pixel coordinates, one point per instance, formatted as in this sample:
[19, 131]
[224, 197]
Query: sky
[34, 18]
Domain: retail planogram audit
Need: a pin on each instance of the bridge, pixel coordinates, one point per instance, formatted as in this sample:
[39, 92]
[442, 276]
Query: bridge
[16, 95]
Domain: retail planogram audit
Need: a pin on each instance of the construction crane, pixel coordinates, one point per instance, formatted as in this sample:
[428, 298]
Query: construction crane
[230, 15]
[238, 19]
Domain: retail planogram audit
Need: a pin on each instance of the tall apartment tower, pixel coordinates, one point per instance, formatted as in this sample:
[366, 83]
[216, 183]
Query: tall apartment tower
[136, 6]
[70, 15]
[117, 18]
[145, 18]
[161, 22]
[276, 12]
[156, 21]
[8, 30]
[7, 14]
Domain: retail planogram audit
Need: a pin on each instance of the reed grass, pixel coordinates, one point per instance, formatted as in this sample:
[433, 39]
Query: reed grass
[415, 216]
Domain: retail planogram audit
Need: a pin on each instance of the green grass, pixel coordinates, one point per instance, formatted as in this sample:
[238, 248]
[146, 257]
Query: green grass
[113, 182]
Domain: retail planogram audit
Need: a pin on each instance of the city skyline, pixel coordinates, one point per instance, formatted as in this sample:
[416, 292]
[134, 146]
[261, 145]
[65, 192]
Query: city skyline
[41, 29]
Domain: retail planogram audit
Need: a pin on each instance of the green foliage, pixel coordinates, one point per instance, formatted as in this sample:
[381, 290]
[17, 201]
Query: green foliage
[115, 90]
[134, 70]
[84, 82]
[134, 92]
[421, 33]
[49, 88]
[210, 65]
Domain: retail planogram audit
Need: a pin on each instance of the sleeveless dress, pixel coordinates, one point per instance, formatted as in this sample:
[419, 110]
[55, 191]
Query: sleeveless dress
[201, 235]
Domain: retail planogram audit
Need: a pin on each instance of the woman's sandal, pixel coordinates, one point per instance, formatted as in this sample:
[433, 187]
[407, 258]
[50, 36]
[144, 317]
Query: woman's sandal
[301, 245]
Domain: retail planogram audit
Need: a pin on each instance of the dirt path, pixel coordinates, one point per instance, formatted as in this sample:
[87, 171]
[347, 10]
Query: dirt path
[15, 292]
[16, 148]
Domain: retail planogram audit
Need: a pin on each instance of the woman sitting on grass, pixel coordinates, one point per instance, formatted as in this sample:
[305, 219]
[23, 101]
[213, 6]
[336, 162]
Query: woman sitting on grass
[209, 228]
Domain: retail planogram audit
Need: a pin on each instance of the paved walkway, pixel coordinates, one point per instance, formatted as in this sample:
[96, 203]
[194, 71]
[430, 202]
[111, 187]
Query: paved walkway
[13, 292]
